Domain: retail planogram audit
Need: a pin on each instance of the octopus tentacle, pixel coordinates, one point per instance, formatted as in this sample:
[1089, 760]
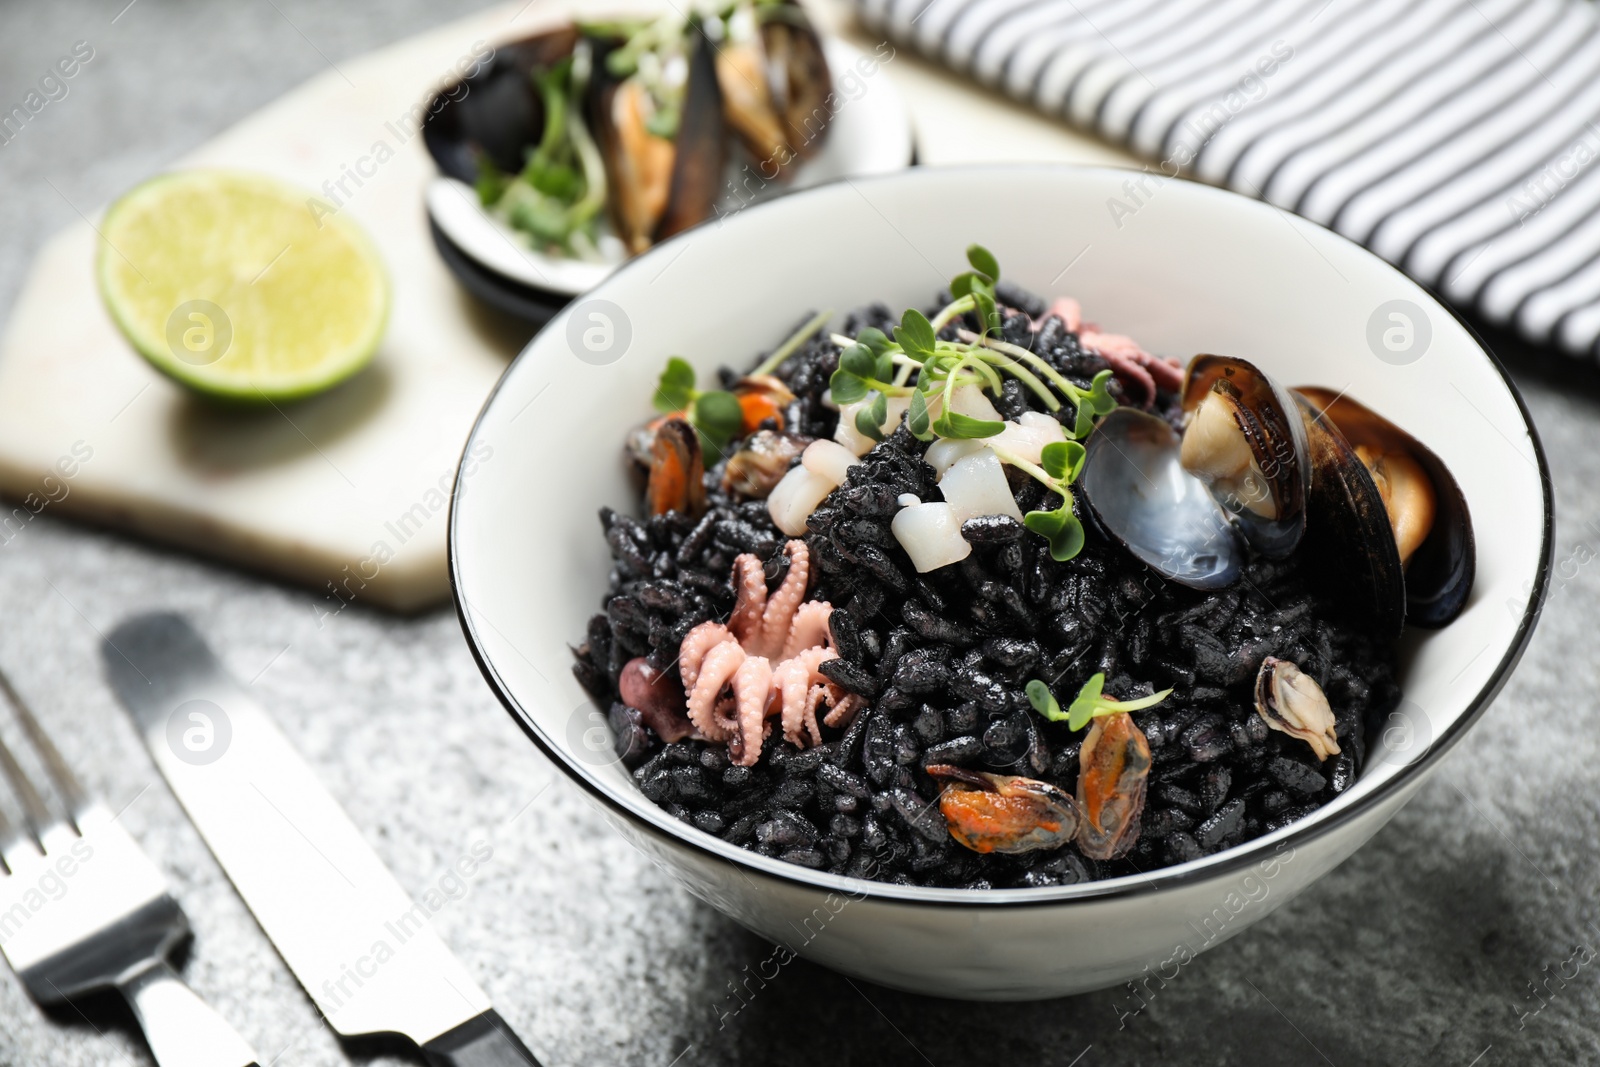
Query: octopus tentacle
[794, 680]
[718, 668]
[845, 710]
[749, 610]
[752, 689]
[1122, 353]
[809, 628]
[782, 605]
[1067, 310]
[696, 643]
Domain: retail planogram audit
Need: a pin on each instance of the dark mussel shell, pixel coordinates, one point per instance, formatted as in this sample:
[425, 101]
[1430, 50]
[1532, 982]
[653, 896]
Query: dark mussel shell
[495, 112]
[798, 69]
[1440, 573]
[1141, 497]
[775, 87]
[1266, 417]
[1348, 540]
[699, 154]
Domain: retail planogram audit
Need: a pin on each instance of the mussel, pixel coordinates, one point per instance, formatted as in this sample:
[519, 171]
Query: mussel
[1004, 813]
[496, 113]
[1113, 773]
[658, 119]
[1291, 702]
[761, 462]
[1381, 516]
[677, 471]
[1138, 489]
[775, 83]
[1426, 508]
[1244, 439]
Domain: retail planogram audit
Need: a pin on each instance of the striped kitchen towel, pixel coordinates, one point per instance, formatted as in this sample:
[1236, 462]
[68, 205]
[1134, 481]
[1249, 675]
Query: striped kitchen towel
[1454, 138]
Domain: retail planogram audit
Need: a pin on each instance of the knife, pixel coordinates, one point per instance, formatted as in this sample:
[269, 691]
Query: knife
[359, 945]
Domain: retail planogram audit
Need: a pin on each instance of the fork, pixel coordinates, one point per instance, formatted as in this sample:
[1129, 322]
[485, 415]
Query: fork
[83, 909]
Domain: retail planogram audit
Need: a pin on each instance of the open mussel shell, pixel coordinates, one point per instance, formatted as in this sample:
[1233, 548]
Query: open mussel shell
[1348, 536]
[1244, 439]
[1440, 571]
[775, 84]
[798, 70]
[495, 112]
[661, 187]
[1141, 495]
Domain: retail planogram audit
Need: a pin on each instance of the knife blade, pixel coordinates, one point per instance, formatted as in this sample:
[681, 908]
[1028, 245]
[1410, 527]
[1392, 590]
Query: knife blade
[356, 941]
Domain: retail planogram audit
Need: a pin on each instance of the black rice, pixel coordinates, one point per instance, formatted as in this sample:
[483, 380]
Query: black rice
[944, 657]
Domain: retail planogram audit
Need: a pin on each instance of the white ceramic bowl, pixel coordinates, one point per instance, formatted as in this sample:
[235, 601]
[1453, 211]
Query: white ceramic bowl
[1182, 267]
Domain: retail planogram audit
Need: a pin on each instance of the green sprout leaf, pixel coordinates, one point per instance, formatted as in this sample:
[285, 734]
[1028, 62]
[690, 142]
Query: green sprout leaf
[859, 361]
[915, 333]
[875, 339]
[718, 416]
[675, 388]
[917, 417]
[1063, 460]
[983, 262]
[1059, 527]
[1092, 703]
[988, 314]
[1043, 701]
[959, 427]
[883, 370]
[870, 419]
[1100, 398]
[847, 388]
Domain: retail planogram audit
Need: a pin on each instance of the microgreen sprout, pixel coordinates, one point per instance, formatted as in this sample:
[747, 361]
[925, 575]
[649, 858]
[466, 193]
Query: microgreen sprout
[1091, 702]
[715, 413]
[874, 368]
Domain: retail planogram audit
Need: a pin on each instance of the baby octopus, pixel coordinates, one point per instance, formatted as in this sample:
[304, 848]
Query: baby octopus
[763, 662]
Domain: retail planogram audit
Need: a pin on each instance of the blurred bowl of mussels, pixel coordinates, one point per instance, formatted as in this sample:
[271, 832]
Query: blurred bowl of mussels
[570, 150]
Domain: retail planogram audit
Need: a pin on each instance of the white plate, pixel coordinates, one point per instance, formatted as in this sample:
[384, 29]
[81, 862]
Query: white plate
[870, 134]
[1194, 269]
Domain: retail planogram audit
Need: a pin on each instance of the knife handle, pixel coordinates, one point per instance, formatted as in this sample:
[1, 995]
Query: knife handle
[482, 1041]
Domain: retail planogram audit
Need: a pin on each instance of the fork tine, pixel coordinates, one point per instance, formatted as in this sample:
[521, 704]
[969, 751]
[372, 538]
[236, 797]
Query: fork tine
[61, 776]
[34, 808]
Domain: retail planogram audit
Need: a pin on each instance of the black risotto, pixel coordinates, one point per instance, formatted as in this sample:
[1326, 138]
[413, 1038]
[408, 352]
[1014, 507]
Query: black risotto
[938, 662]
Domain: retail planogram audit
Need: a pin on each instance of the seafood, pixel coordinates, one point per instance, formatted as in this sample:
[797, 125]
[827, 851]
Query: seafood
[1286, 467]
[1426, 508]
[757, 467]
[1348, 530]
[1244, 439]
[496, 112]
[677, 470]
[663, 142]
[764, 660]
[761, 398]
[822, 469]
[1141, 495]
[1004, 813]
[982, 536]
[774, 82]
[658, 696]
[1113, 768]
[1291, 701]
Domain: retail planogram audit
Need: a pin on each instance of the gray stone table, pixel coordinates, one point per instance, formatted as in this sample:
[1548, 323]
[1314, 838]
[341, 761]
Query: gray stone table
[1419, 949]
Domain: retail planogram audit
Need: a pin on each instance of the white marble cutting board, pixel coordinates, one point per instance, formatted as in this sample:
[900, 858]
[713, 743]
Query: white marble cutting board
[349, 488]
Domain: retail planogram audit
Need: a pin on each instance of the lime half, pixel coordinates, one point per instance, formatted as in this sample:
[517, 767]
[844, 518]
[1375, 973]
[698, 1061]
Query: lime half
[242, 287]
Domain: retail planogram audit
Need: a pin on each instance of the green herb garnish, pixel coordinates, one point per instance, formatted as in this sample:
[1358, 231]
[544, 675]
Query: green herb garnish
[715, 413]
[1091, 702]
